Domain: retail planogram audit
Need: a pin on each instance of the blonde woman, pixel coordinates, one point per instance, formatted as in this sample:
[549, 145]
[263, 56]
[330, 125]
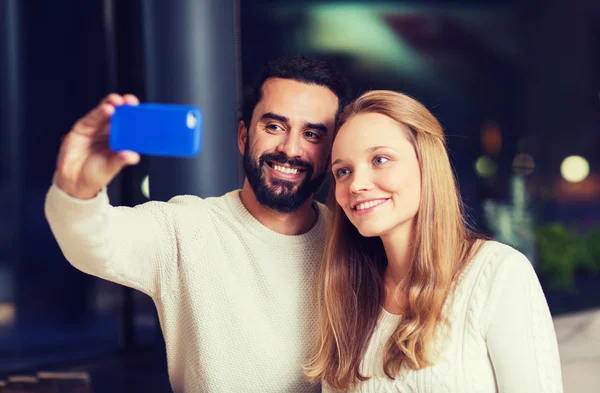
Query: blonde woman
[410, 299]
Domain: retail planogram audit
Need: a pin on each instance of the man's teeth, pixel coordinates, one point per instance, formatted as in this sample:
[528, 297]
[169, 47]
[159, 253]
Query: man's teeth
[366, 205]
[284, 169]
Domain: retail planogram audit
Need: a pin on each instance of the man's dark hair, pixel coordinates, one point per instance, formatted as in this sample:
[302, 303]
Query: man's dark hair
[301, 69]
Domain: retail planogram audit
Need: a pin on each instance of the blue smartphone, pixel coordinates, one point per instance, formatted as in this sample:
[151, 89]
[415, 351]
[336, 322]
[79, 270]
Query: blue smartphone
[157, 129]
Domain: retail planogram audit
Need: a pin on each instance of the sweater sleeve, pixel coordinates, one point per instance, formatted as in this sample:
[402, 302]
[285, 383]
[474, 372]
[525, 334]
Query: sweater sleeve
[519, 331]
[128, 246]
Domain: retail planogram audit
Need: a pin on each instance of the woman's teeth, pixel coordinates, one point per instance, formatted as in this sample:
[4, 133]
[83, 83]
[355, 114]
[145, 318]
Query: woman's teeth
[367, 205]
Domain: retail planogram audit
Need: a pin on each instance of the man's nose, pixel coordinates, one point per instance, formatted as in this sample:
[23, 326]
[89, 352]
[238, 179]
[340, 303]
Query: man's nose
[291, 145]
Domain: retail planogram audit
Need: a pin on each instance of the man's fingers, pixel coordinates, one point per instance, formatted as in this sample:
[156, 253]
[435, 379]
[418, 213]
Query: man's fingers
[130, 99]
[118, 160]
[116, 99]
[129, 157]
[103, 131]
[95, 120]
[113, 99]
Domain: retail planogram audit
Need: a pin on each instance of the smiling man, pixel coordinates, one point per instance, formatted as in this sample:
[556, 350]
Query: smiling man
[232, 277]
[292, 179]
[286, 146]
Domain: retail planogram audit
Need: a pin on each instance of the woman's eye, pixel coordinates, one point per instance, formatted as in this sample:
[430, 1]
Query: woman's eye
[380, 160]
[341, 172]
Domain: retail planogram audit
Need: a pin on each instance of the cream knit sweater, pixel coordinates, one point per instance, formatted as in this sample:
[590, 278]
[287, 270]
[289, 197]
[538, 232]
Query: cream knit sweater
[235, 299]
[501, 338]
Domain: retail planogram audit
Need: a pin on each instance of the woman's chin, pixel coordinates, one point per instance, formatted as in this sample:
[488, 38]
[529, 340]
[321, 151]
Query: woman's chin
[369, 231]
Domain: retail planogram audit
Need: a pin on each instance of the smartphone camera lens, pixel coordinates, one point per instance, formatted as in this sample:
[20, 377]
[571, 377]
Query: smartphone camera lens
[191, 120]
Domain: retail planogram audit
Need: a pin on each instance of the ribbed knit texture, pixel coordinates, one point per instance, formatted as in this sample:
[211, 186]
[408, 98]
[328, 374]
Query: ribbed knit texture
[236, 301]
[501, 338]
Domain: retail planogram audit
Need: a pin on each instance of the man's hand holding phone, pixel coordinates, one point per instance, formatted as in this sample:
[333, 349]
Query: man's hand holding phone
[86, 163]
[115, 133]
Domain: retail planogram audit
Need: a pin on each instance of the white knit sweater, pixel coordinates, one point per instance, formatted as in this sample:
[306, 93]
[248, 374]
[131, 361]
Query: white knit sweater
[235, 299]
[501, 338]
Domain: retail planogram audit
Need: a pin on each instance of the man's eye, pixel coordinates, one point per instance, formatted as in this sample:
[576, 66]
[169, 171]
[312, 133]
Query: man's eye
[311, 135]
[274, 127]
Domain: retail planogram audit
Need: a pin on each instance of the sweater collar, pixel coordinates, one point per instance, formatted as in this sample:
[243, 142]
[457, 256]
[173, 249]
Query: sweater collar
[315, 234]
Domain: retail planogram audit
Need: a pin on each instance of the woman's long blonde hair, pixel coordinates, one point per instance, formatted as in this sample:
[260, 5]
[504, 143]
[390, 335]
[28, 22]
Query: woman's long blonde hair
[351, 287]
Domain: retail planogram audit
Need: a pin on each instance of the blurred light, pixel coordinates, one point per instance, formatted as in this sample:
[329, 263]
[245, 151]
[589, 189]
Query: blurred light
[7, 314]
[146, 186]
[358, 30]
[22, 379]
[491, 138]
[574, 169]
[485, 167]
[523, 164]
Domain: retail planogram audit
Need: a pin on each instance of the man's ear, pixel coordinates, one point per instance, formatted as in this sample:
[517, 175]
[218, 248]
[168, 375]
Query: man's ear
[242, 136]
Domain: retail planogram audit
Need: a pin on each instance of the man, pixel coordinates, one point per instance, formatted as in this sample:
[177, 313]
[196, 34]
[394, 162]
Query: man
[232, 277]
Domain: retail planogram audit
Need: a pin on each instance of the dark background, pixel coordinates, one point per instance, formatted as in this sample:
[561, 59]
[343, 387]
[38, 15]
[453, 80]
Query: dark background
[515, 85]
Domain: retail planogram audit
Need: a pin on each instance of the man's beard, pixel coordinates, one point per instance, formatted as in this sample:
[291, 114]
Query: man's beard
[282, 195]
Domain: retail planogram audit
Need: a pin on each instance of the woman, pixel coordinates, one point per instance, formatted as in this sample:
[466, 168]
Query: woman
[411, 300]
